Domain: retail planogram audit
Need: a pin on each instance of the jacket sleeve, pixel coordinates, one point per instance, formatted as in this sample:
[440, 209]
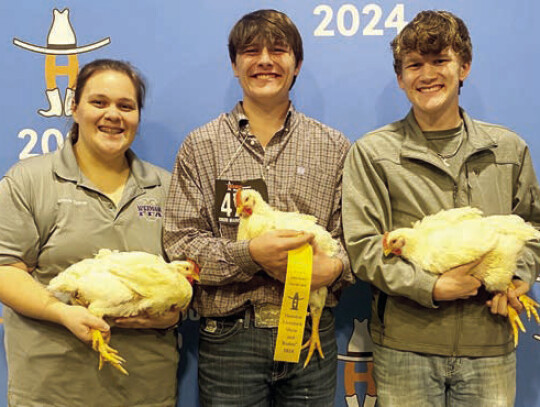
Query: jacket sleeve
[367, 214]
[527, 205]
[188, 228]
[335, 227]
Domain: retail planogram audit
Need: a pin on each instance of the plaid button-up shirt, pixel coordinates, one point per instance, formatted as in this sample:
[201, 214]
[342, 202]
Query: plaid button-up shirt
[302, 168]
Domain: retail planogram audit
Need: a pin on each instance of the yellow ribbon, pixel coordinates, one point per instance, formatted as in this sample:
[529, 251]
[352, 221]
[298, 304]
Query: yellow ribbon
[292, 317]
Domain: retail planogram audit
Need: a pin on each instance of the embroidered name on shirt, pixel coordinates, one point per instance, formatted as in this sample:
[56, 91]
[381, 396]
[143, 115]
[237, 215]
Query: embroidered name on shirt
[149, 209]
[71, 201]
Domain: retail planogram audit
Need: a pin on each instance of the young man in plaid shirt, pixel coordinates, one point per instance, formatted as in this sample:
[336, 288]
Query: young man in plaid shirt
[296, 163]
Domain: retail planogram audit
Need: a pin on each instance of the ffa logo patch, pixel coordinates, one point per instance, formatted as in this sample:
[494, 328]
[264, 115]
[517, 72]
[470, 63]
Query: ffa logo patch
[149, 209]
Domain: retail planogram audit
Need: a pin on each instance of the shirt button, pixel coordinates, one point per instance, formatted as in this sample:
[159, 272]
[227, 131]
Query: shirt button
[268, 167]
[252, 142]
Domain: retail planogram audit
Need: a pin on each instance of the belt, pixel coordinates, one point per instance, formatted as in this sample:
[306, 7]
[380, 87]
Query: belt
[262, 316]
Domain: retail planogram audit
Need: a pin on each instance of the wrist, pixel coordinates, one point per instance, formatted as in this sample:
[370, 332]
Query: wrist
[252, 252]
[243, 255]
[55, 311]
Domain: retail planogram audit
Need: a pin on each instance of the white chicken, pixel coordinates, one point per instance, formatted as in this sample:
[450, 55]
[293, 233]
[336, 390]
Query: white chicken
[257, 217]
[459, 236]
[125, 284]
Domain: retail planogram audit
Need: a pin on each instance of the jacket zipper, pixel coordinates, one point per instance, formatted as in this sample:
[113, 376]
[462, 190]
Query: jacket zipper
[459, 314]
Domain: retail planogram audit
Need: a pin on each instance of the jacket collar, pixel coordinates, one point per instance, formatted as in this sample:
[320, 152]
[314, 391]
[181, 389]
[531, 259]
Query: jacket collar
[416, 145]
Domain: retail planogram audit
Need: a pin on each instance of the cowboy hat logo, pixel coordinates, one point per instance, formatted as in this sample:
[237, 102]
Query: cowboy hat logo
[61, 40]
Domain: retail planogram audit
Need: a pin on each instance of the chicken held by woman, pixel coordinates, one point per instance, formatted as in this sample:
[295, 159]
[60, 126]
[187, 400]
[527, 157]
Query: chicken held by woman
[125, 284]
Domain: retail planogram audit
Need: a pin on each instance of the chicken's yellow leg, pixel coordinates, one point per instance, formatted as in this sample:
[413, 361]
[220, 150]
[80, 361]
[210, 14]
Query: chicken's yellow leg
[314, 342]
[515, 321]
[530, 306]
[106, 353]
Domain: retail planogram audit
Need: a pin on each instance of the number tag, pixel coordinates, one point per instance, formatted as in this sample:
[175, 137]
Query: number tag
[225, 193]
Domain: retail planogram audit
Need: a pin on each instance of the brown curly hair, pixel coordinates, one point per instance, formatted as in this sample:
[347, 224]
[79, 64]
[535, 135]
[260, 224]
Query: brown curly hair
[430, 32]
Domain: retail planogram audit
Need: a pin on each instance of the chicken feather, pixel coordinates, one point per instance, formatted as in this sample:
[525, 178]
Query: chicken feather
[454, 237]
[125, 284]
[257, 217]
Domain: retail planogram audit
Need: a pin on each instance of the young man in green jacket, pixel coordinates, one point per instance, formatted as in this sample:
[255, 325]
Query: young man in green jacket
[437, 343]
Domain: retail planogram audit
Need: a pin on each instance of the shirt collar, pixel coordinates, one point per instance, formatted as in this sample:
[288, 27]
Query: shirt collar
[239, 121]
[65, 166]
[64, 163]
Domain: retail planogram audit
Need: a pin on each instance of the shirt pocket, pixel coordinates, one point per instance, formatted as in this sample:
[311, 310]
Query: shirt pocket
[490, 186]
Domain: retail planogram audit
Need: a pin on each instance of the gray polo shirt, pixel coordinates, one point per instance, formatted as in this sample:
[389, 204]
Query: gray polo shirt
[52, 216]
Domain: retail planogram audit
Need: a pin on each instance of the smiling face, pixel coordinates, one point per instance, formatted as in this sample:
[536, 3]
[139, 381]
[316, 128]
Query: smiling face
[432, 82]
[266, 72]
[107, 114]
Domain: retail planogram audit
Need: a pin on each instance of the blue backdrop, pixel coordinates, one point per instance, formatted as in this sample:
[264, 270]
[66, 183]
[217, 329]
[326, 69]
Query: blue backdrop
[347, 81]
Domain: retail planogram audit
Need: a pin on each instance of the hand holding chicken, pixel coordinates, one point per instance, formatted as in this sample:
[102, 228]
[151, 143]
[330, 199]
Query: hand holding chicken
[257, 218]
[125, 284]
[451, 238]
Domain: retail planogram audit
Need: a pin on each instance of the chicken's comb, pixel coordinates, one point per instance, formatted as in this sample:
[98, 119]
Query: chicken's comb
[385, 240]
[238, 197]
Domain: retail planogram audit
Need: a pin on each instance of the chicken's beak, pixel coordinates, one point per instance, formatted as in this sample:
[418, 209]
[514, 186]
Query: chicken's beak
[239, 209]
[387, 250]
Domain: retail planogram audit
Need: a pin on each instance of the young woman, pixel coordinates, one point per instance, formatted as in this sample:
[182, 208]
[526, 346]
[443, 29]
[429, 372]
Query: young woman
[60, 208]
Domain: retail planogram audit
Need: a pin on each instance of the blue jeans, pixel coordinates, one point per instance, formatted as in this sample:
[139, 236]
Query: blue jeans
[408, 379]
[236, 367]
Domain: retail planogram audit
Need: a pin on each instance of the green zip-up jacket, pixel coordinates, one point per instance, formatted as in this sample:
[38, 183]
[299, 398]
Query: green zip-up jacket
[392, 179]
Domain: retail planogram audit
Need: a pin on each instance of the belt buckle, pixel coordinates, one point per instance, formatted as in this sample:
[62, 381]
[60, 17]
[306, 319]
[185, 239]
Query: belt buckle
[266, 315]
[210, 325]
